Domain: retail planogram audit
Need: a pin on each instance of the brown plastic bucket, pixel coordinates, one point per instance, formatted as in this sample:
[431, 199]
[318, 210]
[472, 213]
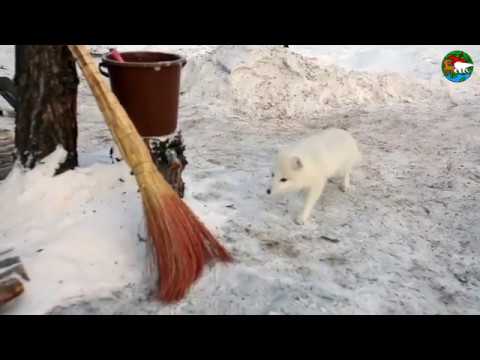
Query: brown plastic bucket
[147, 85]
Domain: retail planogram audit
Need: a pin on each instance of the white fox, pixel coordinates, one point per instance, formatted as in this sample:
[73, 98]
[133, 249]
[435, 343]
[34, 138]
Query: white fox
[307, 166]
[461, 67]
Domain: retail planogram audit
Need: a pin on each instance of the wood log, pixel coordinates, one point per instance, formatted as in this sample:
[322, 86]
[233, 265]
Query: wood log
[9, 290]
[7, 152]
[10, 269]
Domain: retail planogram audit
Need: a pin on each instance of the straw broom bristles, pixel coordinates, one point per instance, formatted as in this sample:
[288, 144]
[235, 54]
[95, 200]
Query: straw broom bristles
[182, 244]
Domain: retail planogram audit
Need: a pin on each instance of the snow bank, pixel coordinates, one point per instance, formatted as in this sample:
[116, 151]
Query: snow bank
[273, 83]
[76, 233]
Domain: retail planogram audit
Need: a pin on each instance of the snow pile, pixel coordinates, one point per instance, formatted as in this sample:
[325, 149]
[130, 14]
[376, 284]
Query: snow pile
[76, 233]
[270, 82]
[265, 83]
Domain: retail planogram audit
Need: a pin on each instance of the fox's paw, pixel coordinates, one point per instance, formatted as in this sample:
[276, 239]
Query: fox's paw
[344, 188]
[300, 220]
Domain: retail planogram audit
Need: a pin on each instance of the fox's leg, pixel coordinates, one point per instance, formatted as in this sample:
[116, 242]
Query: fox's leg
[345, 186]
[310, 201]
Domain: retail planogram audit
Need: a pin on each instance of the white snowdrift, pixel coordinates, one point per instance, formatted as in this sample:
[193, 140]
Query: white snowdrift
[76, 233]
[266, 83]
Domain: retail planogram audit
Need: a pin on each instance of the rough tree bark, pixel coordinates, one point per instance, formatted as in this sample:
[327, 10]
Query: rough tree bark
[46, 83]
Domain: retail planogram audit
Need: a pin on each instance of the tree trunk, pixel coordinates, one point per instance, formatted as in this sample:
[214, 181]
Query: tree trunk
[47, 83]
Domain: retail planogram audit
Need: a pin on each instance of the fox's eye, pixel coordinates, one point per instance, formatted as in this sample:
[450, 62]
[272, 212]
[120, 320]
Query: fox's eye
[283, 180]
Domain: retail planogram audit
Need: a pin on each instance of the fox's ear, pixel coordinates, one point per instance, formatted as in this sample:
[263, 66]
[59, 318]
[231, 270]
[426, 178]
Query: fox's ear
[296, 163]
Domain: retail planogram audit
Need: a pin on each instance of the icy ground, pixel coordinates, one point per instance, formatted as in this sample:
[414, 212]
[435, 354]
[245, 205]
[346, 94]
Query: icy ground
[408, 236]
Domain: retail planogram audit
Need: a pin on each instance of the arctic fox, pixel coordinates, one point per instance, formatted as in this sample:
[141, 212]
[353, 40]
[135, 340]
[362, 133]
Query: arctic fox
[307, 166]
[461, 67]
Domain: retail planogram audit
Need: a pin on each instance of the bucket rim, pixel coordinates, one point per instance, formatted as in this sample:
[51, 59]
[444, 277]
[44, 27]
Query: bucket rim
[180, 60]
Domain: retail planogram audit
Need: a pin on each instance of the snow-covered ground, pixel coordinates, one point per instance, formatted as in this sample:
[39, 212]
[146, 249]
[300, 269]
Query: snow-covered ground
[408, 235]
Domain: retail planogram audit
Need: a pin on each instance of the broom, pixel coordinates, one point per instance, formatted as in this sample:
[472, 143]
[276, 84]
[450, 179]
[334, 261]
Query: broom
[182, 245]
